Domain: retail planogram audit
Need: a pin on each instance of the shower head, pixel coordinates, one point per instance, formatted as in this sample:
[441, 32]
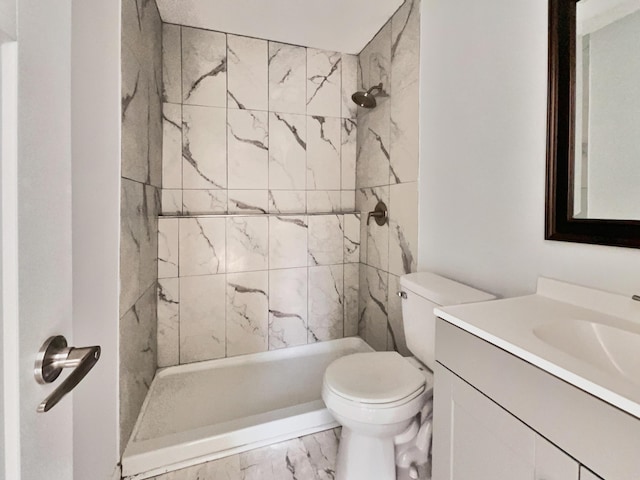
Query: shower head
[366, 99]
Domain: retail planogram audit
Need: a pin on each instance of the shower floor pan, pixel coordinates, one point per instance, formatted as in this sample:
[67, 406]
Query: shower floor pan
[207, 410]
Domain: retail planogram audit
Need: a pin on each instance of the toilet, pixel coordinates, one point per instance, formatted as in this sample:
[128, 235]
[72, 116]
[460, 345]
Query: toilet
[377, 396]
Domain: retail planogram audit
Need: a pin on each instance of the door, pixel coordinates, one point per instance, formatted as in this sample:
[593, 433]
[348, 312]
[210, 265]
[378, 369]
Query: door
[59, 252]
[36, 234]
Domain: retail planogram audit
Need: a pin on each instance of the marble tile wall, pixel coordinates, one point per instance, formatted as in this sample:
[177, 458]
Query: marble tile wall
[387, 169]
[312, 457]
[250, 283]
[141, 163]
[256, 126]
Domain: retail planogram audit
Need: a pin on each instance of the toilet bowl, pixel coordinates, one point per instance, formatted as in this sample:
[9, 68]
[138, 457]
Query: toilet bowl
[377, 396]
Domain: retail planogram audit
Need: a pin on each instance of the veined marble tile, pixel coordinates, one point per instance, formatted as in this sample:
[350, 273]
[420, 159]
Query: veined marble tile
[322, 451]
[326, 303]
[155, 133]
[375, 60]
[351, 237]
[287, 151]
[287, 82]
[226, 468]
[204, 147]
[136, 119]
[247, 244]
[348, 153]
[167, 247]
[362, 203]
[288, 242]
[403, 228]
[377, 236]
[312, 457]
[202, 246]
[131, 25]
[171, 201]
[324, 74]
[138, 241]
[362, 70]
[396, 339]
[202, 318]
[248, 73]
[171, 146]
[362, 200]
[323, 153]
[363, 296]
[287, 460]
[405, 46]
[287, 201]
[171, 63]
[326, 237]
[248, 201]
[351, 287]
[324, 201]
[204, 67]
[168, 322]
[373, 138]
[404, 139]
[131, 236]
[287, 307]
[248, 149]
[247, 312]
[348, 200]
[376, 316]
[149, 244]
[349, 85]
[204, 201]
[138, 360]
[141, 28]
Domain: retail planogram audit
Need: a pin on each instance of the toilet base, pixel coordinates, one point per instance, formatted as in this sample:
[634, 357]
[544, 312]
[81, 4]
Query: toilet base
[362, 457]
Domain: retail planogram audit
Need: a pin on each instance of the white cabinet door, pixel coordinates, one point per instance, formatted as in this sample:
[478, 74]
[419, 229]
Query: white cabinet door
[475, 438]
[552, 463]
[588, 475]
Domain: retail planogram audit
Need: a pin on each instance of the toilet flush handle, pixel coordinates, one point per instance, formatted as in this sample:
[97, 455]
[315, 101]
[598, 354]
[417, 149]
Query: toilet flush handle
[402, 295]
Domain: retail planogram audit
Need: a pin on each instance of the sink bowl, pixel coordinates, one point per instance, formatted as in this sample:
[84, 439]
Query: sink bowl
[613, 349]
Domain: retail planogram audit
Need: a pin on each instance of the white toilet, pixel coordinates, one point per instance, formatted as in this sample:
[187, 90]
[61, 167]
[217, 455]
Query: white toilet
[377, 396]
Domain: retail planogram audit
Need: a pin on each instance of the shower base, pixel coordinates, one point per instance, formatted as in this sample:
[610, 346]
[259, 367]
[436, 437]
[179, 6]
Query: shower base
[208, 410]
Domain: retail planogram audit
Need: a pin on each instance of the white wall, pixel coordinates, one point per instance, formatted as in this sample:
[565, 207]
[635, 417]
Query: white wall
[7, 19]
[482, 165]
[95, 122]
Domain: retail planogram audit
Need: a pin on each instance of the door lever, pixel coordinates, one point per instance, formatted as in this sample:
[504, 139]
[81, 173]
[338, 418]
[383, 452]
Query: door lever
[54, 355]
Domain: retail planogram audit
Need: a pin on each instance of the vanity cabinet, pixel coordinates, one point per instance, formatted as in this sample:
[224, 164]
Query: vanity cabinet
[477, 439]
[498, 417]
[587, 475]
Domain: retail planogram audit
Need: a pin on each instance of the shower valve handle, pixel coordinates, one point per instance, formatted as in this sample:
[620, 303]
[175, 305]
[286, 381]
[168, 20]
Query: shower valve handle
[379, 213]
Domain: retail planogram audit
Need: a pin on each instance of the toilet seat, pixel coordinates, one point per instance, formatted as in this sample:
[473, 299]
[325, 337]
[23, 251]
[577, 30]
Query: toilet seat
[376, 379]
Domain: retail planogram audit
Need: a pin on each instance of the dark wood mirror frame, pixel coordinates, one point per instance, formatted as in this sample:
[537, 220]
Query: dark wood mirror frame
[560, 224]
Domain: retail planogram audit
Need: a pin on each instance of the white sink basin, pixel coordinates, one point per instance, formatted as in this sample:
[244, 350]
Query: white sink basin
[612, 349]
[586, 337]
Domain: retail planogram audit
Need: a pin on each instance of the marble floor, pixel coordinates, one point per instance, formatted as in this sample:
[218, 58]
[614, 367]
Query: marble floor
[306, 458]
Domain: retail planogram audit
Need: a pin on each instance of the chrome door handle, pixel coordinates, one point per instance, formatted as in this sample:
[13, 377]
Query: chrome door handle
[54, 355]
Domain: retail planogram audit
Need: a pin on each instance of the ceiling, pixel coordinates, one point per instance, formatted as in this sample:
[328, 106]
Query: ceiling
[337, 25]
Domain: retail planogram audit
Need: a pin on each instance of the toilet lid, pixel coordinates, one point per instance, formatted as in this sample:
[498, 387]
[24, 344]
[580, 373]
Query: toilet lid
[376, 377]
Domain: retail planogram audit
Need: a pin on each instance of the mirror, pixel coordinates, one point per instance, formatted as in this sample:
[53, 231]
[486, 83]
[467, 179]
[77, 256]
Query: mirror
[593, 143]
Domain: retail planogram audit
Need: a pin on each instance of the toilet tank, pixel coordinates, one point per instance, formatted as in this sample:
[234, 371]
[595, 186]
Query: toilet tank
[424, 292]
